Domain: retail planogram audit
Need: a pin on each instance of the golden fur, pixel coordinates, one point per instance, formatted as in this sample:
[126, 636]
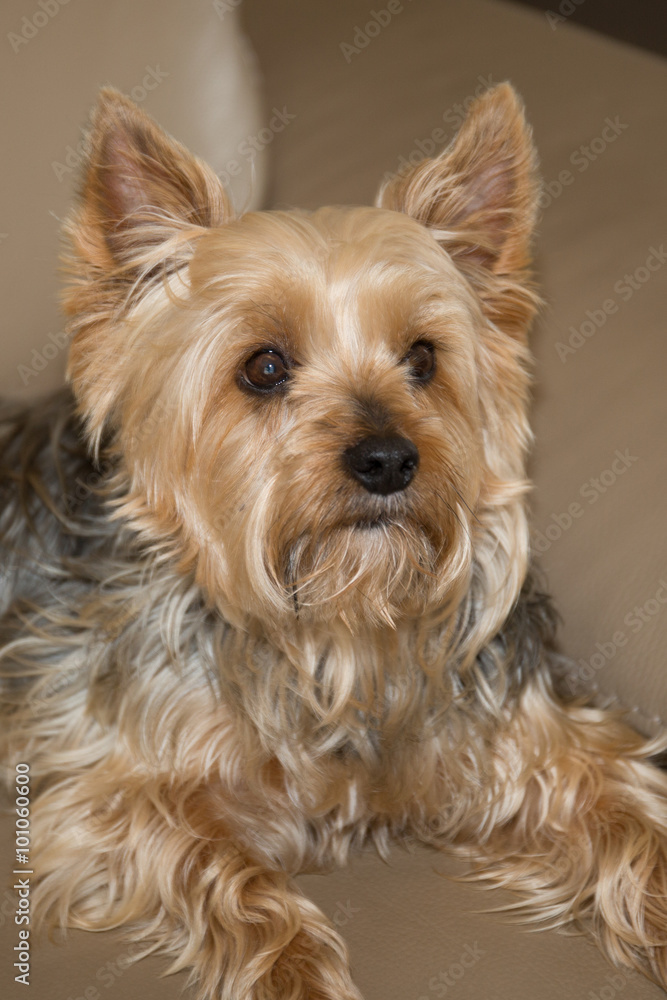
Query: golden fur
[229, 662]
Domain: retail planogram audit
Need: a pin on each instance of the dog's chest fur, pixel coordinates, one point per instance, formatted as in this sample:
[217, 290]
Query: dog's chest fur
[129, 640]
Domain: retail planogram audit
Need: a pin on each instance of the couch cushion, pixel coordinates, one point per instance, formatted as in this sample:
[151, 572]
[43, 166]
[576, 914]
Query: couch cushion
[172, 59]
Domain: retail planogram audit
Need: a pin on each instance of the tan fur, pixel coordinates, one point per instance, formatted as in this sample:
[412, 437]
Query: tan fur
[261, 666]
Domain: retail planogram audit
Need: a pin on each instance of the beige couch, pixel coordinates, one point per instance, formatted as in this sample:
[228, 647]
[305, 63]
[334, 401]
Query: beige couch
[361, 101]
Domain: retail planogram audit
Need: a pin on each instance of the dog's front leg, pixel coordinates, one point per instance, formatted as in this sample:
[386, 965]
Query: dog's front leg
[244, 931]
[571, 811]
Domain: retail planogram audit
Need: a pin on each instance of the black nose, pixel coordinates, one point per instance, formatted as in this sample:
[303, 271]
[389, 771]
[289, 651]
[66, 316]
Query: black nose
[382, 464]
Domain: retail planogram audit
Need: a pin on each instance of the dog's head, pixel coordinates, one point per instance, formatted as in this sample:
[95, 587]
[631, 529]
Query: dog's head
[324, 413]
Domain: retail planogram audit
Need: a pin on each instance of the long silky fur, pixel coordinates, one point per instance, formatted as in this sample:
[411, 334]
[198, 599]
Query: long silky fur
[222, 661]
[107, 660]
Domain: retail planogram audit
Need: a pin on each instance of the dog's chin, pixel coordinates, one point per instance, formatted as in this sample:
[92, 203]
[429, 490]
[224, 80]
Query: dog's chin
[372, 569]
[372, 521]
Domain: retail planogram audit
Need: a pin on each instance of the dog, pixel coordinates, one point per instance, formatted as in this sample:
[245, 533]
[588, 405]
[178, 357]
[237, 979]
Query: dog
[267, 592]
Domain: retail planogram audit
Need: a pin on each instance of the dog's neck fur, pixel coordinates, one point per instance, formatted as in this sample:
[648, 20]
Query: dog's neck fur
[323, 683]
[329, 673]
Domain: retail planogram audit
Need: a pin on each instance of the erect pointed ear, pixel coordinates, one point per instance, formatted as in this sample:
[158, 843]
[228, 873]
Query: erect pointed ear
[140, 188]
[145, 201]
[479, 197]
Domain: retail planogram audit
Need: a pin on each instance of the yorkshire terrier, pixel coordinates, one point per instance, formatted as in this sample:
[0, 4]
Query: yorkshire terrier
[266, 586]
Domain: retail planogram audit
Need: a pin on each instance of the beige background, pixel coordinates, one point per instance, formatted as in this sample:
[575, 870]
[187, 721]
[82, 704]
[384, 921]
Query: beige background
[353, 121]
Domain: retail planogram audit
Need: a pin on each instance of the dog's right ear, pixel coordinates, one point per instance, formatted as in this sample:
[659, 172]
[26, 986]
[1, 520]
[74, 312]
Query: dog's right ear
[145, 202]
[140, 191]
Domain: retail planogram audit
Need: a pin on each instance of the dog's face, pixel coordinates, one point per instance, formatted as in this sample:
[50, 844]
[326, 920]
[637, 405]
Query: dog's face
[324, 413]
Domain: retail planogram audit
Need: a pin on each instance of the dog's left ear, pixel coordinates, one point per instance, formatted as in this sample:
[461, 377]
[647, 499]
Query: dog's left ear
[479, 197]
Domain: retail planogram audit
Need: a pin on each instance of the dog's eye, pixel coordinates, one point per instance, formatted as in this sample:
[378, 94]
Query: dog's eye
[266, 370]
[421, 359]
